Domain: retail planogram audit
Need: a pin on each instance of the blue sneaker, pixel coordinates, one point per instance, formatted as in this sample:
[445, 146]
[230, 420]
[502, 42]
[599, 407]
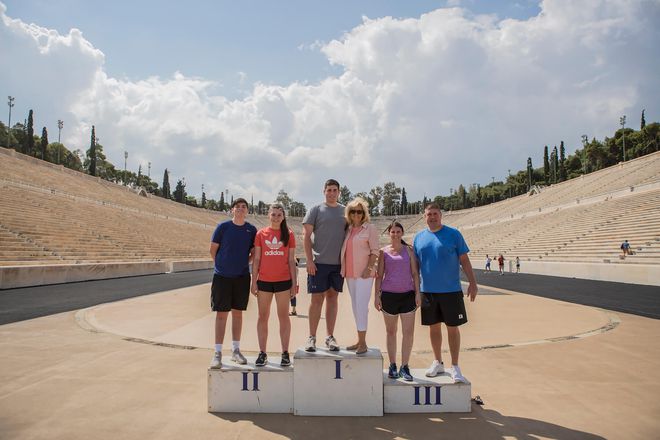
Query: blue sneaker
[392, 373]
[404, 373]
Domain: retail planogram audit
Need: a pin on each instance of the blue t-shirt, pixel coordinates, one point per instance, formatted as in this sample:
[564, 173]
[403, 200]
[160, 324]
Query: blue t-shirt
[235, 243]
[438, 255]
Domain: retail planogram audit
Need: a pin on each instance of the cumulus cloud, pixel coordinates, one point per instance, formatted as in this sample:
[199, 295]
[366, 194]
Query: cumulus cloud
[446, 98]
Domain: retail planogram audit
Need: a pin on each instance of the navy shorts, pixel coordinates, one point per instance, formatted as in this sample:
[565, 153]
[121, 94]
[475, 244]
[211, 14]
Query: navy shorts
[443, 307]
[328, 276]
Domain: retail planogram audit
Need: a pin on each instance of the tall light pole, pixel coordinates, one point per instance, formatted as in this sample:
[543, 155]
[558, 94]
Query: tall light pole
[493, 188]
[10, 103]
[622, 121]
[60, 126]
[125, 160]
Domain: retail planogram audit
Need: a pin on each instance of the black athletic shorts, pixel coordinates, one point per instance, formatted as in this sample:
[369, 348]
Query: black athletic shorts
[395, 303]
[443, 307]
[274, 286]
[230, 293]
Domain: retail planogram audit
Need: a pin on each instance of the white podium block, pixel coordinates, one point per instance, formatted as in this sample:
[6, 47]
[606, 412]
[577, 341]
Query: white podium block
[250, 389]
[339, 383]
[425, 394]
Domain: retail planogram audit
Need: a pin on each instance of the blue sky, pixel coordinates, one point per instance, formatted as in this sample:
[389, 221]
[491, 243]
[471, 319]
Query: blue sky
[255, 97]
[219, 39]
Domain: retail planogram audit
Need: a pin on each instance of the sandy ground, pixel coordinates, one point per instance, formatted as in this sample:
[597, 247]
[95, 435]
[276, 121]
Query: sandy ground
[118, 371]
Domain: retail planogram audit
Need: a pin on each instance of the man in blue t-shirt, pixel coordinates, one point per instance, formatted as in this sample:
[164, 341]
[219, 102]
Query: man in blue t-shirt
[441, 252]
[231, 249]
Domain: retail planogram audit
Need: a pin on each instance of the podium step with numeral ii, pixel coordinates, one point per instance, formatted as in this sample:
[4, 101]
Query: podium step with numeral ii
[425, 394]
[338, 383]
[250, 389]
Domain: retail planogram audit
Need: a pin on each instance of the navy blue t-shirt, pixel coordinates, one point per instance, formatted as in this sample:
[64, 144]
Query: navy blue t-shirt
[235, 242]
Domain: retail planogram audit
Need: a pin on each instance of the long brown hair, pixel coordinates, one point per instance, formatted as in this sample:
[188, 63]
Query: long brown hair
[284, 229]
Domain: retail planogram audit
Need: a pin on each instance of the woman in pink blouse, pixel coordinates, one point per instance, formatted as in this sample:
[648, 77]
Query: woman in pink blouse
[358, 260]
[398, 296]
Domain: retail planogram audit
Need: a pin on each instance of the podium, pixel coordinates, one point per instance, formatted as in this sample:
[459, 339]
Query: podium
[425, 394]
[326, 383]
[338, 383]
[250, 389]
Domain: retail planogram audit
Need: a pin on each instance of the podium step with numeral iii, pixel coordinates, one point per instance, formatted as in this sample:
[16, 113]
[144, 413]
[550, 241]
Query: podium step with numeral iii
[339, 383]
[250, 389]
[425, 394]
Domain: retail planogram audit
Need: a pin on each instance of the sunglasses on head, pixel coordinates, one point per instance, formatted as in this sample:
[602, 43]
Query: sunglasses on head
[356, 211]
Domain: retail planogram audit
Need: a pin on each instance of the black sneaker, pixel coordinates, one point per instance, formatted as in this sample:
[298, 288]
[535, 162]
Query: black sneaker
[392, 373]
[262, 359]
[404, 373]
[285, 359]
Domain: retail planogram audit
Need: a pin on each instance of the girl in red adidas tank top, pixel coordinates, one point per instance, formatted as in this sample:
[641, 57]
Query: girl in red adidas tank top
[274, 274]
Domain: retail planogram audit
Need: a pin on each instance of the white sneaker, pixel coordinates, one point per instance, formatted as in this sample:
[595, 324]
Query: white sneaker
[310, 346]
[457, 376]
[436, 368]
[216, 362]
[238, 357]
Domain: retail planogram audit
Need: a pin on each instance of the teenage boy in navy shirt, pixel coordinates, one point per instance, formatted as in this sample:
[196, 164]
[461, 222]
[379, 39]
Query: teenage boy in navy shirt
[231, 249]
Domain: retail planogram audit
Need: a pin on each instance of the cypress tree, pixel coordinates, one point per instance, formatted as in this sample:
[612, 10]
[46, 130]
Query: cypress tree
[29, 147]
[404, 201]
[92, 153]
[546, 165]
[555, 164]
[44, 143]
[203, 199]
[166, 184]
[562, 162]
[643, 122]
[530, 173]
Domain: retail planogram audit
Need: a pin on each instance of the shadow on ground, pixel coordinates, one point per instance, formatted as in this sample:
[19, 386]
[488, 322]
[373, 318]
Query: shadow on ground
[482, 423]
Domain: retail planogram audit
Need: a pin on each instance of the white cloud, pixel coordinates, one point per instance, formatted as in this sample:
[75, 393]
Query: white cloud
[431, 102]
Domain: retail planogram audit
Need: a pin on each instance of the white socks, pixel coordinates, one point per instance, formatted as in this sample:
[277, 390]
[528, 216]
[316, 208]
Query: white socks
[218, 348]
[235, 345]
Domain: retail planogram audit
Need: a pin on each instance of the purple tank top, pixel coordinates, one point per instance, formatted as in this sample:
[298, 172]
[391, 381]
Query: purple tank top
[397, 277]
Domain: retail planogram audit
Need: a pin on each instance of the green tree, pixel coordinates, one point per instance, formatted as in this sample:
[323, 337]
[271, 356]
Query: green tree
[643, 121]
[375, 196]
[404, 201]
[562, 162]
[203, 199]
[283, 199]
[391, 198]
[461, 197]
[546, 165]
[166, 185]
[221, 205]
[530, 174]
[29, 145]
[555, 165]
[44, 143]
[344, 195]
[297, 209]
[180, 191]
[91, 153]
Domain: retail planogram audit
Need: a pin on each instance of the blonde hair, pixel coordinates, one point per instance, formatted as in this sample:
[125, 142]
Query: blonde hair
[357, 202]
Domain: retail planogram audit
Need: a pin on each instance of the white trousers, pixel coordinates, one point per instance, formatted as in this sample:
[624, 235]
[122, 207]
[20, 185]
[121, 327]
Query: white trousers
[360, 290]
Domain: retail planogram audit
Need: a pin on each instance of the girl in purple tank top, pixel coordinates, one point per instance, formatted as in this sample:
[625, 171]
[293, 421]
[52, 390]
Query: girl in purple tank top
[397, 295]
